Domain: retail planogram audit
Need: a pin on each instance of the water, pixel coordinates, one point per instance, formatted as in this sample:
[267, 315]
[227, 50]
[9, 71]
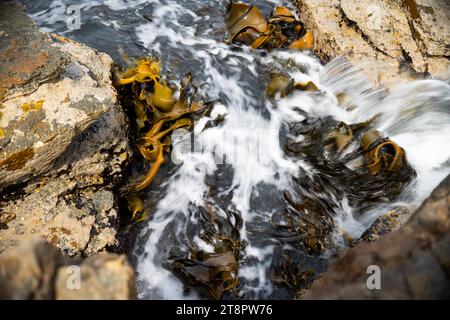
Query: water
[206, 197]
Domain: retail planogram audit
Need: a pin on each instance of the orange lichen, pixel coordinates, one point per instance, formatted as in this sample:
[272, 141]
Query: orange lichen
[32, 106]
[17, 160]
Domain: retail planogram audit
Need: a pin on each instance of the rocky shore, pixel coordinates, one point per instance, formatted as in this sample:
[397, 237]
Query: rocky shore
[64, 150]
[414, 261]
[38, 270]
[63, 141]
[63, 147]
[391, 41]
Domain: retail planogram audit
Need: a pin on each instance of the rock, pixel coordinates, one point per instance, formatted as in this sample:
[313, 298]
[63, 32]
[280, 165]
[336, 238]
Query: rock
[29, 271]
[63, 139]
[102, 277]
[414, 260]
[388, 222]
[38, 270]
[389, 40]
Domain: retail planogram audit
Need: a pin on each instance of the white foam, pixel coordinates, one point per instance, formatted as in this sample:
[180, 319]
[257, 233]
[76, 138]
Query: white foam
[271, 166]
[415, 115]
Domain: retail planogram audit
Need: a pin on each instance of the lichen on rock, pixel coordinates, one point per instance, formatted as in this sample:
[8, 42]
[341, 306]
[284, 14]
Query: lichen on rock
[63, 142]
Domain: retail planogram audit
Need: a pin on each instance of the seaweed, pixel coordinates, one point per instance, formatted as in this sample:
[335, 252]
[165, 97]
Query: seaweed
[329, 146]
[280, 85]
[156, 111]
[246, 24]
[216, 272]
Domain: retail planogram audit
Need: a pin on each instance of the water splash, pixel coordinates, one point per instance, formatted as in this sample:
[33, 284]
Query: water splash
[189, 35]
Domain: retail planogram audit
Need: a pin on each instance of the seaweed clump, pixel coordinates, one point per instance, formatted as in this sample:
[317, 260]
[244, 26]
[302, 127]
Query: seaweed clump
[353, 164]
[246, 24]
[280, 85]
[156, 111]
[214, 272]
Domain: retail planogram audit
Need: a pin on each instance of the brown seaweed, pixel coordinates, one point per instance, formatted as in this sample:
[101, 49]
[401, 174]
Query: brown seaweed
[243, 17]
[246, 24]
[216, 272]
[381, 153]
[382, 176]
[156, 111]
[280, 85]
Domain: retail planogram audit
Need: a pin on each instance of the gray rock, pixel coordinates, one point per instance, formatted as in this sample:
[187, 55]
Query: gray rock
[387, 222]
[387, 39]
[29, 271]
[63, 139]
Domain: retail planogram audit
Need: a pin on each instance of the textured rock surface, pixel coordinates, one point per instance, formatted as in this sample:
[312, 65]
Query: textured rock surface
[388, 222]
[62, 139]
[414, 261]
[392, 41]
[38, 270]
[102, 277]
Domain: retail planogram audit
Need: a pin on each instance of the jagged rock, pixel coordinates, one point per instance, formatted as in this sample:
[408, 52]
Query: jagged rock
[38, 270]
[414, 261]
[107, 277]
[63, 139]
[392, 41]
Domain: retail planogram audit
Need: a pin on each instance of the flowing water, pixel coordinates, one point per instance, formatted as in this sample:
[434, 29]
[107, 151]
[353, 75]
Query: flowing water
[238, 169]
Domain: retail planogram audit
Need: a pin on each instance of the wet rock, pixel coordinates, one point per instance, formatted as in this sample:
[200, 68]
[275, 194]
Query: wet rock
[413, 261]
[103, 277]
[388, 222]
[392, 41]
[38, 270]
[63, 139]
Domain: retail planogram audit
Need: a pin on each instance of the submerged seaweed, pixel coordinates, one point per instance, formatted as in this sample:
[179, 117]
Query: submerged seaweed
[354, 161]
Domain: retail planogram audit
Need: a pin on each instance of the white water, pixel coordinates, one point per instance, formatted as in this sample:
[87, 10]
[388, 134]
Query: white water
[425, 137]
[415, 115]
